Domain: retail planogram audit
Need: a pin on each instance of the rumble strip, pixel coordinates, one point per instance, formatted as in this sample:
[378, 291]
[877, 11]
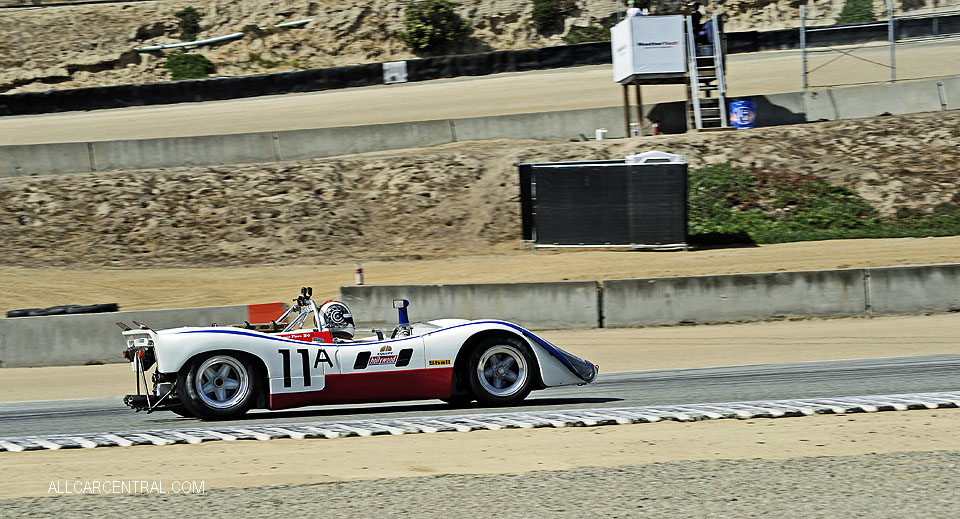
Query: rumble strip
[492, 421]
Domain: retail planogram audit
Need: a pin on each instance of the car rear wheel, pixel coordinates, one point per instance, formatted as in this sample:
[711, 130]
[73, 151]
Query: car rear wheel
[179, 410]
[217, 386]
[458, 400]
[500, 371]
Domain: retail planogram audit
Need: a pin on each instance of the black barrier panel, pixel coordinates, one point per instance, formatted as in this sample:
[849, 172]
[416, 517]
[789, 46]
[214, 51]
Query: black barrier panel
[741, 42]
[782, 39]
[508, 61]
[921, 27]
[849, 34]
[949, 25]
[574, 55]
[527, 59]
[526, 201]
[610, 204]
[191, 90]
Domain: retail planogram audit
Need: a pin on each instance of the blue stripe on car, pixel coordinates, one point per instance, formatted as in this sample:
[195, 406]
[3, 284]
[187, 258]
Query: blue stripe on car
[281, 339]
[562, 356]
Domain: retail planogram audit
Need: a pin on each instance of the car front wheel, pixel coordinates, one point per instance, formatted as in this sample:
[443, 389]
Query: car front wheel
[217, 386]
[500, 372]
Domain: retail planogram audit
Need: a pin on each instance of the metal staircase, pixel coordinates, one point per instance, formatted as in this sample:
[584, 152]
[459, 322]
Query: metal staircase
[706, 88]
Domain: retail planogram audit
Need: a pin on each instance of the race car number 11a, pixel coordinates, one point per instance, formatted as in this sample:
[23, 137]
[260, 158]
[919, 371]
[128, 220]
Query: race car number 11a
[322, 357]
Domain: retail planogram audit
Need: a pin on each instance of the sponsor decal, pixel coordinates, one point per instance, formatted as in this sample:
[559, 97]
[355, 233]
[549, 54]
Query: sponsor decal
[444, 362]
[657, 43]
[383, 359]
[384, 356]
[318, 339]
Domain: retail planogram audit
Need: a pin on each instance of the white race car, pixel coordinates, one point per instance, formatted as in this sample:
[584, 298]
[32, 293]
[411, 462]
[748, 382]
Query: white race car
[220, 372]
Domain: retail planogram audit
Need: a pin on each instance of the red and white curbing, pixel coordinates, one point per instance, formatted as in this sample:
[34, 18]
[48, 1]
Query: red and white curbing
[493, 421]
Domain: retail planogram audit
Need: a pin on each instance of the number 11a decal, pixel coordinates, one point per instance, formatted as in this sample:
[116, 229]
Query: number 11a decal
[322, 358]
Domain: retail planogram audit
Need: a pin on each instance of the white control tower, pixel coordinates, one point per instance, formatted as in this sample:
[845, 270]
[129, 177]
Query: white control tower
[658, 50]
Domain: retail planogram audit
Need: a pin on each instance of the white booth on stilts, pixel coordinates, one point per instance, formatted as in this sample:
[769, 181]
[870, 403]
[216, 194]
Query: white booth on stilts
[658, 50]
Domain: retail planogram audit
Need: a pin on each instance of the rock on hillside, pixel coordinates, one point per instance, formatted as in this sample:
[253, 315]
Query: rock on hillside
[91, 45]
[451, 200]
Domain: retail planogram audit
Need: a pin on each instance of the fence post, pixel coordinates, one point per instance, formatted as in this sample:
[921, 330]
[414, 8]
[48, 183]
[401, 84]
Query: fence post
[803, 46]
[891, 38]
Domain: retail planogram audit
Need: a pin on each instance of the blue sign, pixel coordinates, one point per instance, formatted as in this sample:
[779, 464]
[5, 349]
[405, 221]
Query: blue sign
[743, 114]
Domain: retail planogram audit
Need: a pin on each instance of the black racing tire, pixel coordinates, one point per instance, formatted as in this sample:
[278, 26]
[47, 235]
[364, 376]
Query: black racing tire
[92, 309]
[23, 312]
[501, 371]
[218, 386]
[459, 400]
[60, 309]
[180, 410]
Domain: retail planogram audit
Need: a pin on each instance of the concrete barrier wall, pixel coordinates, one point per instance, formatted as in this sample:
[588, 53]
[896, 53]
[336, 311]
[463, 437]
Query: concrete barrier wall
[328, 142]
[565, 304]
[926, 288]
[949, 90]
[85, 338]
[776, 109]
[39, 159]
[634, 302]
[183, 151]
[65, 340]
[907, 97]
[559, 125]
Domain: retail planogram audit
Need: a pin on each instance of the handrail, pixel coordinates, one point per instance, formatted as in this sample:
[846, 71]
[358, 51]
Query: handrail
[231, 36]
[718, 67]
[694, 77]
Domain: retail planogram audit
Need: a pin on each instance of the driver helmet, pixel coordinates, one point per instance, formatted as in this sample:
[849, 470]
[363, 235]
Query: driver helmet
[337, 319]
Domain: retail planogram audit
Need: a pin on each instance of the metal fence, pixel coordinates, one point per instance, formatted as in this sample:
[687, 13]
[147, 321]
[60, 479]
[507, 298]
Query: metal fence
[859, 41]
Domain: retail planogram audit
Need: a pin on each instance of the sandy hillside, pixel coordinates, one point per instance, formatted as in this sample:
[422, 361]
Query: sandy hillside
[452, 200]
[92, 45]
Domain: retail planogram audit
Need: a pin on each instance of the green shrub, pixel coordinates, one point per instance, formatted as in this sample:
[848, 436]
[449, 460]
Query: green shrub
[260, 61]
[725, 203]
[587, 34]
[546, 16]
[433, 26]
[188, 66]
[729, 205]
[857, 11]
[189, 23]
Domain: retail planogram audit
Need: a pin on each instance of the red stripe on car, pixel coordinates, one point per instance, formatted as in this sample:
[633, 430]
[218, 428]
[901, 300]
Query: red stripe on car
[384, 386]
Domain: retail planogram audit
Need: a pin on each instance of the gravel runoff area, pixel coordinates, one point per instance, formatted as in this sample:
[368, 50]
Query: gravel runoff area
[917, 484]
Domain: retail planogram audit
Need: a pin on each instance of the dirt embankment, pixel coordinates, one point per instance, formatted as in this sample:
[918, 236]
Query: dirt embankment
[451, 200]
[92, 45]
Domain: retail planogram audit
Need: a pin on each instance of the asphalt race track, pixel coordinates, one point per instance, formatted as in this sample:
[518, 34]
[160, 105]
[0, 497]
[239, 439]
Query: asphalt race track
[898, 375]
[540, 91]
